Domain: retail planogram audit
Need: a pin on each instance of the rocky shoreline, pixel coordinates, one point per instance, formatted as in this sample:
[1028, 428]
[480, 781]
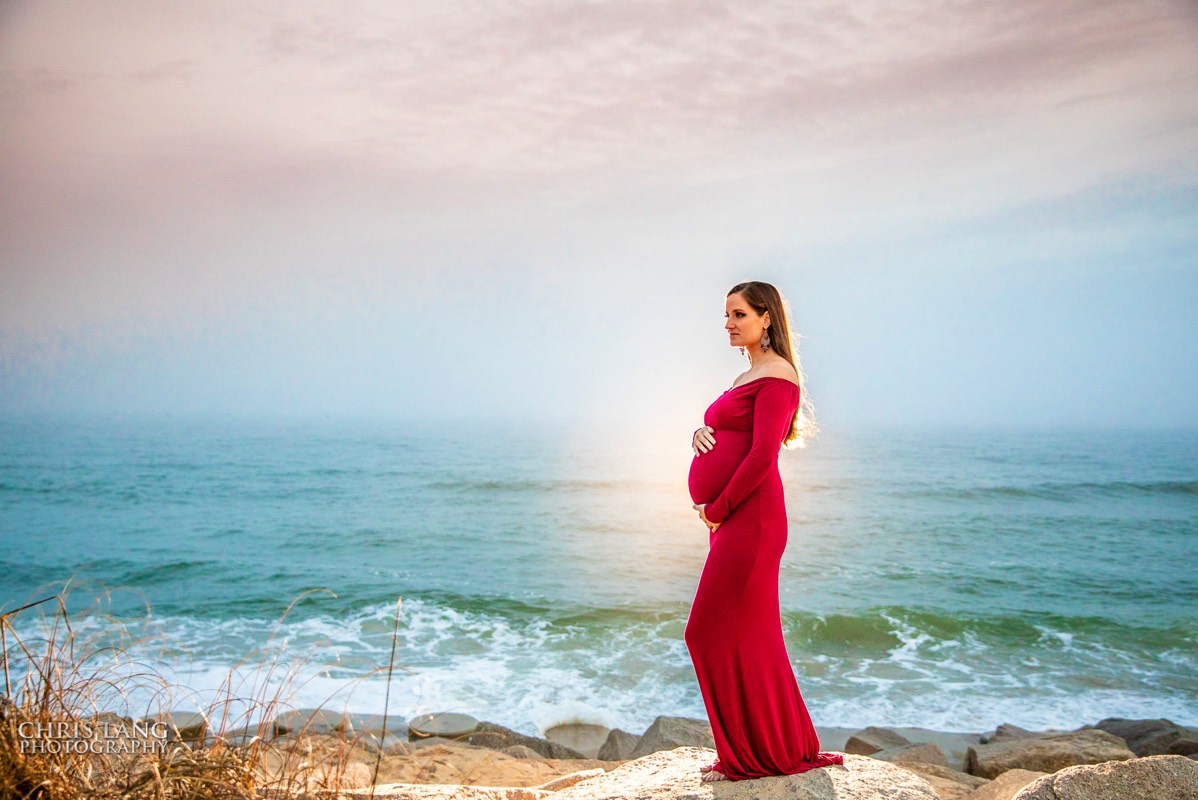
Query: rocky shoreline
[455, 755]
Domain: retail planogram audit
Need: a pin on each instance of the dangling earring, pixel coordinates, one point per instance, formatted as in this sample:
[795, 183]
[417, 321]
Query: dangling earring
[742, 351]
[765, 340]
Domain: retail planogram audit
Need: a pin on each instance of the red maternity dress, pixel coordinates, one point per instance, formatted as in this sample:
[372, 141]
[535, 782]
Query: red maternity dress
[734, 633]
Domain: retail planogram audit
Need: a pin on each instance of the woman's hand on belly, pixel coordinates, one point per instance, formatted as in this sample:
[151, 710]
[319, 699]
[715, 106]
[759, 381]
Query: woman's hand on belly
[703, 440]
[712, 526]
[711, 471]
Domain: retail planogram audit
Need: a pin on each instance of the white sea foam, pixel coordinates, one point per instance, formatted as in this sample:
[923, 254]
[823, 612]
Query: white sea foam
[1065, 639]
[531, 674]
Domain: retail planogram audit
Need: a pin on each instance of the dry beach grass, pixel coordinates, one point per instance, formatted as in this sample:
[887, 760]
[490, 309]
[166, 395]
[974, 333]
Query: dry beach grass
[68, 728]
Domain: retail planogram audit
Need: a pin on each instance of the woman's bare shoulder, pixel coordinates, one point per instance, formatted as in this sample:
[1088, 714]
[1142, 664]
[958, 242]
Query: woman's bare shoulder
[780, 368]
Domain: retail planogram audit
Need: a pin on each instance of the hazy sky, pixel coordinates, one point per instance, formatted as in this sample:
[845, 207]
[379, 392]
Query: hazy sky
[980, 212]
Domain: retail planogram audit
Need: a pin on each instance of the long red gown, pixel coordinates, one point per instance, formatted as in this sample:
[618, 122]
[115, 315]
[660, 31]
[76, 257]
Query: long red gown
[734, 633]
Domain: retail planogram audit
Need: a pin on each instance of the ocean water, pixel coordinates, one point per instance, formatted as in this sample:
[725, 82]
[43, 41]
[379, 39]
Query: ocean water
[952, 579]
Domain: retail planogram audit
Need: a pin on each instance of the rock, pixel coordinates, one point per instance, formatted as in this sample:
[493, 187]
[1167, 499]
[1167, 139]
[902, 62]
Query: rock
[674, 775]
[401, 749]
[581, 737]
[375, 724]
[666, 733]
[1151, 737]
[1185, 747]
[1047, 753]
[316, 772]
[310, 720]
[190, 726]
[1005, 786]
[569, 780]
[949, 784]
[371, 741]
[356, 775]
[446, 724]
[619, 745]
[1164, 777]
[433, 741]
[477, 766]
[520, 751]
[322, 747]
[497, 737]
[239, 737]
[871, 740]
[913, 753]
[449, 791]
[954, 744]
[1005, 733]
[365, 729]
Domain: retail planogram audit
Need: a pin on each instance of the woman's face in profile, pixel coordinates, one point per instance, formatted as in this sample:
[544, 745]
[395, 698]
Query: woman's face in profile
[744, 324]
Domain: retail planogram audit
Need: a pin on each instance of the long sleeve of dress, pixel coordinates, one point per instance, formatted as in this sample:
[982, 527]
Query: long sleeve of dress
[773, 410]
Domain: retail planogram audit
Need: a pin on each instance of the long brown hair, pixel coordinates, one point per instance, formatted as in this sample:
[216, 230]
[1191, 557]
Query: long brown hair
[763, 297]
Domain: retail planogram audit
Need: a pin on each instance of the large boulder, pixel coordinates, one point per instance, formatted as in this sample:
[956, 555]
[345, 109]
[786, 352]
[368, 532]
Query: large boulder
[373, 731]
[949, 784]
[562, 781]
[1005, 786]
[666, 733]
[618, 746]
[310, 721]
[520, 751]
[437, 741]
[315, 763]
[242, 736]
[189, 726]
[377, 725]
[1152, 737]
[1166, 777]
[871, 740]
[447, 724]
[924, 753]
[954, 744]
[373, 741]
[674, 775]
[1007, 732]
[354, 775]
[1046, 753]
[584, 737]
[497, 737]
[476, 766]
[445, 791]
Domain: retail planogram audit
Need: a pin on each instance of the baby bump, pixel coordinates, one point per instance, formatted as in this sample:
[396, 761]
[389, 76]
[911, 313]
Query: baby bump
[711, 471]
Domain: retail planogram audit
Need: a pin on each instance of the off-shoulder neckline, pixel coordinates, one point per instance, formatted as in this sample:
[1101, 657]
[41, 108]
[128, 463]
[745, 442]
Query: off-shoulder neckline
[764, 378]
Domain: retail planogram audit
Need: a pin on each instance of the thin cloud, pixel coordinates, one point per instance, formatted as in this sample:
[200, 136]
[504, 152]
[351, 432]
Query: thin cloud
[184, 167]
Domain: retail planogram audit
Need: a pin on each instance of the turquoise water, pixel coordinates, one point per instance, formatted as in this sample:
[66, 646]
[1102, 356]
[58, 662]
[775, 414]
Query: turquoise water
[948, 579]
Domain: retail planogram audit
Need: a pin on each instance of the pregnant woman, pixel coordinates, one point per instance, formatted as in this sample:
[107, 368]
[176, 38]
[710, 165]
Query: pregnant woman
[734, 633]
